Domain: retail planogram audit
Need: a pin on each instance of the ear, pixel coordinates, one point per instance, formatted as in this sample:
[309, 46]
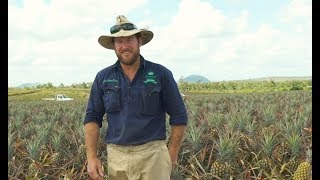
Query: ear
[140, 42]
[112, 39]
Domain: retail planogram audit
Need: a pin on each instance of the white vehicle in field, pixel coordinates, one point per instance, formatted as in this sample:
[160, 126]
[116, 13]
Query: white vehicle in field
[59, 97]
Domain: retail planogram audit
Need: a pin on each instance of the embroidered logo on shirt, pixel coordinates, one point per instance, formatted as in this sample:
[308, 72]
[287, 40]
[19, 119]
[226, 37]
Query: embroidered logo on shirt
[110, 81]
[150, 78]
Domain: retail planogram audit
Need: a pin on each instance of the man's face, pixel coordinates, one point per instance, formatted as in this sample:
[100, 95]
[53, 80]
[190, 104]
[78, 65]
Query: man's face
[127, 49]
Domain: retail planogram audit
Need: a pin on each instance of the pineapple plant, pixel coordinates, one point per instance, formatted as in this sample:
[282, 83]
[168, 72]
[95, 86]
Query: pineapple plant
[194, 136]
[227, 146]
[215, 122]
[20, 149]
[57, 149]
[282, 152]
[268, 144]
[263, 161]
[269, 115]
[56, 140]
[248, 137]
[55, 159]
[58, 160]
[33, 147]
[243, 118]
[294, 142]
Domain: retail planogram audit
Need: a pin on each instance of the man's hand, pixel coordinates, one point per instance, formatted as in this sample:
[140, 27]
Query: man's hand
[91, 133]
[95, 169]
[177, 133]
[174, 171]
[174, 165]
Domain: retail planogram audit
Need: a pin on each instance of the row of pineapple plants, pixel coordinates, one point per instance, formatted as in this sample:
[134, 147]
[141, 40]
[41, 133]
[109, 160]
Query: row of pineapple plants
[46, 140]
[229, 136]
[248, 136]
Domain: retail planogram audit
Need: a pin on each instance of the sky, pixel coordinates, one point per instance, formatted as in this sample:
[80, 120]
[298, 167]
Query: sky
[57, 41]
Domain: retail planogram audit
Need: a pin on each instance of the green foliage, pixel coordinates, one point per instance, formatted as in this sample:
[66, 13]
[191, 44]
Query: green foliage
[244, 87]
[16, 94]
[296, 85]
[81, 91]
[40, 130]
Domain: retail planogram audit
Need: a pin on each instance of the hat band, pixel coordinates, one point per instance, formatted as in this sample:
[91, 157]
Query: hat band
[125, 26]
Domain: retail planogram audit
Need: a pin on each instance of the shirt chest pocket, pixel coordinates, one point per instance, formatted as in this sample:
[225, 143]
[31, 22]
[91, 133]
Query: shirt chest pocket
[151, 100]
[111, 98]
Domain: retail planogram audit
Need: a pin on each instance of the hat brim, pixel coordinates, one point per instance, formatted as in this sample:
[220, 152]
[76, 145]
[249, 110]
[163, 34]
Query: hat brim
[106, 40]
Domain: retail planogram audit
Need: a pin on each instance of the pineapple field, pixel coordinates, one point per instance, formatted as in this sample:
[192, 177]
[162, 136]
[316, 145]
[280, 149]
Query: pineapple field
[257, 135]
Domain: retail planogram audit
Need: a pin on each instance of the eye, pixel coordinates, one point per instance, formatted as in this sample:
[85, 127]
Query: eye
[117, 41]
[132, 38]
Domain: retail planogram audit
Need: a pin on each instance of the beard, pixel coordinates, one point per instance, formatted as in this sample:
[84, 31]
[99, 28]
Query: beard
[129, 59]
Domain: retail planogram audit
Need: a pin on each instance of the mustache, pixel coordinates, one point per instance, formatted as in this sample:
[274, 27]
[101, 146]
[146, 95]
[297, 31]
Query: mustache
[126, 50]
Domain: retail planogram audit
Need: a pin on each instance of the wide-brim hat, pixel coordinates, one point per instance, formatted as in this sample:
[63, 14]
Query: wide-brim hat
[123, 28]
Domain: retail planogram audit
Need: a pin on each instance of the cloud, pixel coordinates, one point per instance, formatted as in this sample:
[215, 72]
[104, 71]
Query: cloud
[224, 47]
[61, 19]
[60, 37]
[297, 9]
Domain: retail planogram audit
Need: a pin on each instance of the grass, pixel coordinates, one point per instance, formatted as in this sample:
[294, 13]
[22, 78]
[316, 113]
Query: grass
[16, 94]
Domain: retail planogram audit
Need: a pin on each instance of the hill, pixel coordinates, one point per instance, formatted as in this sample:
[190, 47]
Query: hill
[202, 79]
[279, 78]
[195, 79]
[28, 85]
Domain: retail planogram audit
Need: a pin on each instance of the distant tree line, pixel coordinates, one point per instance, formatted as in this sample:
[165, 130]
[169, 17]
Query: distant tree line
[82, 85]
[216, 87]
[245, 86]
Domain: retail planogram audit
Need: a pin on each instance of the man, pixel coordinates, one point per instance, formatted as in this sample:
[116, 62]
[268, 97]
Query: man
[136, 95]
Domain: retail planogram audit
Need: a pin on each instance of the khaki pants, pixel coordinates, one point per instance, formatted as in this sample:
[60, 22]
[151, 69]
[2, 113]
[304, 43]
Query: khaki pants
[150, 161]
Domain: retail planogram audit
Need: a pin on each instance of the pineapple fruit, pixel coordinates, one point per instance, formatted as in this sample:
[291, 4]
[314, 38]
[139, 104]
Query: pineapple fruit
[82, 153]
[303, 171]
[10, 168]
[225, 164]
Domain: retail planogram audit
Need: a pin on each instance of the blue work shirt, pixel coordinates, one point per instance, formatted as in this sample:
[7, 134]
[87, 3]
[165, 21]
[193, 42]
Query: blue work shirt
[136, 110]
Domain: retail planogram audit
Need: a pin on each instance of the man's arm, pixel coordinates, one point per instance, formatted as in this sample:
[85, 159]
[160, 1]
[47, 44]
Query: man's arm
[91, 133]
[175, 108]
[177, 133]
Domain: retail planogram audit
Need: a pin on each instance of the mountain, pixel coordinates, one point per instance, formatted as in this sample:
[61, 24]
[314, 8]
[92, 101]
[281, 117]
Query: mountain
[195, 79]
[202, 79]
[279, 78]
[28, 85]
